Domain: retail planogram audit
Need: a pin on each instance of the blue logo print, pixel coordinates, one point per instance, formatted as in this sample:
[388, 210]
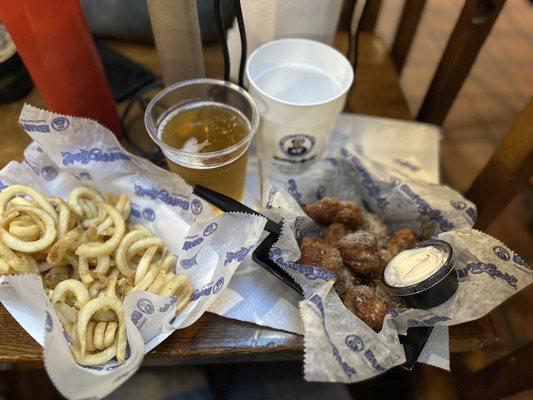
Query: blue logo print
[145, 306]
[135, 211]
[205, 291]
[149, 214]
[238, 255]
[489, 269]
[2, 186]
[354, 343]
[60, 123]
[35, 128]
[501, 253]
[369, 355]
[48, 324]
[196, 206]
[347, 368]
[136, 317]
[368, 182]
[49, 173]
[210, 229]
[426, 209]
[162, 195]
[218, 285]
[308, 271]
[187, 263]
[519, 260]
[95, 154]
[189, 244]
[166, 307]
[458, 205]
[293, 190]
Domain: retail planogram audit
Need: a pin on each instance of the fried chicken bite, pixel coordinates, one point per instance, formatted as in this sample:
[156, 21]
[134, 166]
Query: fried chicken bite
[320, 254]
[346, 282]
[364, 303]
[360, 253]
[401, 240]
[382, 294]
[372, 223]
[334, 232]
[331, 209]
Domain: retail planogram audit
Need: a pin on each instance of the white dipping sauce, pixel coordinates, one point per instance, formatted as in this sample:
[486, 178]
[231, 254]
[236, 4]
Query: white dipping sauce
[414, 265]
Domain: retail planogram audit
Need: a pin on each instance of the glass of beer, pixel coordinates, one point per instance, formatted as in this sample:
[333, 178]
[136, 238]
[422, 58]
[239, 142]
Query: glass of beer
[205, 127]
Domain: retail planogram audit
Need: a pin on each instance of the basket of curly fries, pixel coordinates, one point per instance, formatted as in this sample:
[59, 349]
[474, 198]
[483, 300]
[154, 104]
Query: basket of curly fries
[377, 252]
[103, 255]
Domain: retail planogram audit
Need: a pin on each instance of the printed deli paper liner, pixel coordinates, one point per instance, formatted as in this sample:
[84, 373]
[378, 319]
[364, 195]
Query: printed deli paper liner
[68, 152]
[339, 347]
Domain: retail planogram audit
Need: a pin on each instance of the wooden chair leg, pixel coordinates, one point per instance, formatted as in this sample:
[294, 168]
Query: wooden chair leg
[509, 169]
[512, 374]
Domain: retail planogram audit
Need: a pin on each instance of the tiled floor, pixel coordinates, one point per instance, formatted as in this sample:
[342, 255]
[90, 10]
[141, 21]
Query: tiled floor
[498, 87]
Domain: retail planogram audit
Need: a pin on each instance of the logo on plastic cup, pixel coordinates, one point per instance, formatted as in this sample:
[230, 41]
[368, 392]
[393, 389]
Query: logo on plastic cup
[297, 145]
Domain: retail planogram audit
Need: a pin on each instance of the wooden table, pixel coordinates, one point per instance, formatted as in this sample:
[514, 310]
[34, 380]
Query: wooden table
[213, 338]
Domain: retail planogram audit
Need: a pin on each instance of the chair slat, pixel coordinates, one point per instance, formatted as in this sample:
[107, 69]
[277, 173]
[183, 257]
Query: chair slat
[509, 169]
[472, 28]
[405, 33]
[370, 15]
[345, 18]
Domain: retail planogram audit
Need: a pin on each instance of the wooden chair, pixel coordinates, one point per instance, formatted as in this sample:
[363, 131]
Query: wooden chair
[511, 166]
[471, 29]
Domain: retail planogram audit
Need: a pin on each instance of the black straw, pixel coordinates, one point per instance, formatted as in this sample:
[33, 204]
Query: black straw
[242, 33]
[222, 38]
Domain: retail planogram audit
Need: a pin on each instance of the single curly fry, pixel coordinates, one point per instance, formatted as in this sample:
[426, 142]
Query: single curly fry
[30, 247]
[74, 287]
[142, 268]
[24, 230]
[16, 263]
[64, 215]
[83, 270]
[143, 244]
[109, 245]
[60, 248]
[82, 192]
[122, 250]
[87, 311]
[11, 191]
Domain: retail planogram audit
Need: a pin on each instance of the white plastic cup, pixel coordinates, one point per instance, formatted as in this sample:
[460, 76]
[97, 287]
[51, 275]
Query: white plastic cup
[300, 87]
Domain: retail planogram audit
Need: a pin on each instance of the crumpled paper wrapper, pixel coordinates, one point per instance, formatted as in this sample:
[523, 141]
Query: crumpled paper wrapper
[339, 347]
[68, 152]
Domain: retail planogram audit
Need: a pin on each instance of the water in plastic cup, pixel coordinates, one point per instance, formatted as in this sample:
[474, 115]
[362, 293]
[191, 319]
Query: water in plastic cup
[300, 87]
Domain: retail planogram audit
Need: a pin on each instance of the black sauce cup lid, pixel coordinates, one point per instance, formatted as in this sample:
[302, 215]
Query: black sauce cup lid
[430, 281]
